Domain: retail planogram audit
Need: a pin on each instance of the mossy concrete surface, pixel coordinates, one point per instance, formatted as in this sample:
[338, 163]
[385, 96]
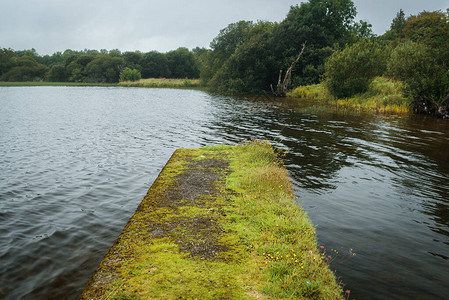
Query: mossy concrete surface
[218, 223]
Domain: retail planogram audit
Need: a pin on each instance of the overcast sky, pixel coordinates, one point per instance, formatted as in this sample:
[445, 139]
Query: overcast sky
[56, 25]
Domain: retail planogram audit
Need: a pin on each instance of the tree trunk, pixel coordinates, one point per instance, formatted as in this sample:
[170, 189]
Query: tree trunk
[281, 88]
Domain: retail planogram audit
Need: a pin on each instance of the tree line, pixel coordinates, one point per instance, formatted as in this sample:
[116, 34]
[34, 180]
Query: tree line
[415, 51]
[92, 66]
[246, 57]
[341, 53]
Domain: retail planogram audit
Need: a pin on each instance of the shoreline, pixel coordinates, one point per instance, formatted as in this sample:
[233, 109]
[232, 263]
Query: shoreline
[146, 83]
[383, 96]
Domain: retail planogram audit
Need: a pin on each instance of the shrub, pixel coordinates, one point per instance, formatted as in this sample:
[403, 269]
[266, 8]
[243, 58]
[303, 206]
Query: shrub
[350, 71]
[418, 67]
[130, 75]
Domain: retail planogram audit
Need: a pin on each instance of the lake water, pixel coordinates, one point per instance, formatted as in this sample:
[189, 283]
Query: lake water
[75, 162]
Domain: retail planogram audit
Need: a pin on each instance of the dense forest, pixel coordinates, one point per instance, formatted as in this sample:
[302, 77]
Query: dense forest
[246, 56]
[92, 66]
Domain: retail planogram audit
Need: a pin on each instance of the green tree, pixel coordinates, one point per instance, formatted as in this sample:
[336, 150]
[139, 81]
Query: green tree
[29, 52]
[76, 64]
[421, 61]
[430, 28]
[25, 68]
[7, 60]
[251, 67]
[324, 24]
[58, 73]
[115, 53]
[181, 63]
[132, 60]
[51, 60]
[229, 38]
[321, 22]
[103, 69]
[363, 30]
[417, 65]
[350, 71]
[223, 46]
[130, 75]
[154, 65]
[398, 24]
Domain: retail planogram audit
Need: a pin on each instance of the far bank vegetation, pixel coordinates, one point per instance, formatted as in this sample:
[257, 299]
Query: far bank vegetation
[342, 55]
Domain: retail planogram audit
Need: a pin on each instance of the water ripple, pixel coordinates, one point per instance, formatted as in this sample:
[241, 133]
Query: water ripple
[76, 162]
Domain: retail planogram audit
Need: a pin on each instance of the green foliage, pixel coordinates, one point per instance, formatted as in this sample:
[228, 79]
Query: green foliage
[29, 52]
[103, 69]
[331, 20]
[246, 57]
[24, 68]
[362, 30]
[324, 24]
[58, 73]
[223, 46]
[421, 58]
[251, 67]
[229, 38]
[417, 65]
[350, 71]
[398, 24]
[92, 66]
[6, 60]
[132, 60]
[181, 63]
[154, 65]
[383, 95]
[430, 28]
[130, 75]
[203, 65]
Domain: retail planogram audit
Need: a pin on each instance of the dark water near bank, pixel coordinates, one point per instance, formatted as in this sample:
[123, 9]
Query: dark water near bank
[75, 163]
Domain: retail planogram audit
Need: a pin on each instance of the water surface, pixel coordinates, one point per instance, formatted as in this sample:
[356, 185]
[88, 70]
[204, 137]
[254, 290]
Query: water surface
[75, 162]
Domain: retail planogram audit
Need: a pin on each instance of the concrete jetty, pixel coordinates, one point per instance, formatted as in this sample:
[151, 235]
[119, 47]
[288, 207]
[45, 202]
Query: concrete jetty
[218, 223]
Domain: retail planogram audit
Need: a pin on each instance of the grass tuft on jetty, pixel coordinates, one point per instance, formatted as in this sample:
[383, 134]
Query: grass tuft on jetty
[218, 222]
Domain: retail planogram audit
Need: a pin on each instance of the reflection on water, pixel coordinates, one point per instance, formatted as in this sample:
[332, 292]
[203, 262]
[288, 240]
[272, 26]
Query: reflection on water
[75, 162]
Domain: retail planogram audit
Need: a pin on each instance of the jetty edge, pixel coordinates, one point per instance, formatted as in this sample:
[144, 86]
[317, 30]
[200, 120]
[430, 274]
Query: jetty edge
[218, 222]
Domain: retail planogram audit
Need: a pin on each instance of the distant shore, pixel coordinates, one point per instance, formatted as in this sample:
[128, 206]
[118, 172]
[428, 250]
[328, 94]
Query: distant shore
[47, 83]
[149, 83]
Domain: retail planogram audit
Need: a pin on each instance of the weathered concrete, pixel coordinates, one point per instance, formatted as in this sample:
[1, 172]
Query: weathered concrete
[218, 223]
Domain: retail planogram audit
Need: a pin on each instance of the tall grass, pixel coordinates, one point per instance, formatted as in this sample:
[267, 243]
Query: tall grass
[311, 92]
[162, 83]
[383, 96]
[280, 232]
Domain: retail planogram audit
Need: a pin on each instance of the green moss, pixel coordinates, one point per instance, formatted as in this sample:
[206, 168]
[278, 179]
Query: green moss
[218, 222]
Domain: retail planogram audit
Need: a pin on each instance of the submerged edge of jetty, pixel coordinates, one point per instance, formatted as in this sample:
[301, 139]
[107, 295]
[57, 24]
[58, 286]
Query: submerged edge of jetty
[218, 222]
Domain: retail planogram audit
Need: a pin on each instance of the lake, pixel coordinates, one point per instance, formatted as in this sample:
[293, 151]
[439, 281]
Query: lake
[76, 161]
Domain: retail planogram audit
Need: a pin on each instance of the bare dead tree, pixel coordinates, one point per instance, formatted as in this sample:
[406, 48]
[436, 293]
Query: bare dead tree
[281, 88]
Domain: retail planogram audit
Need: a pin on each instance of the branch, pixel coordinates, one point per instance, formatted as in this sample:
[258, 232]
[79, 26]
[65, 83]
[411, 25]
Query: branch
[288, 74]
